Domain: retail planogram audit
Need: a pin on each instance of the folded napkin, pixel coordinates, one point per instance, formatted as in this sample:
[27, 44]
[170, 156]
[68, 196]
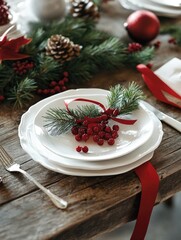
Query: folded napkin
[165, 82]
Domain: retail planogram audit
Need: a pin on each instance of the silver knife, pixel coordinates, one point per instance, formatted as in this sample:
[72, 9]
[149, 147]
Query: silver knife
[163, 117]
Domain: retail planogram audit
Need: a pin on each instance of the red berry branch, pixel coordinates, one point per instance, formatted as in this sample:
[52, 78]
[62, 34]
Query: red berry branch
[92, 122]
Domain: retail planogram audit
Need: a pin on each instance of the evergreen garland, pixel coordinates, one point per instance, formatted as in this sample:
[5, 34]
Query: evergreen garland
[100, 52]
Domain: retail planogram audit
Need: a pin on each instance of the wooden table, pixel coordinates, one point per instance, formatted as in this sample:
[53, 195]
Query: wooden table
[96, 204]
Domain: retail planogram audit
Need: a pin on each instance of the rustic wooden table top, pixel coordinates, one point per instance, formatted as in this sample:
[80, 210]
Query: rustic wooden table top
[96, 204]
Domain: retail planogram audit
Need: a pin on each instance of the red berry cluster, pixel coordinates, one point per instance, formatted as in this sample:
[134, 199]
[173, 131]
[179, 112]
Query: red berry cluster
[4, 13]
[22, 67]
[98, 129]
[55, 86]
[84, 149]
[134, 47]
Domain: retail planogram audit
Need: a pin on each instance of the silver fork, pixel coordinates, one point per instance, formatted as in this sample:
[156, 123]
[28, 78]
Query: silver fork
[11, 166]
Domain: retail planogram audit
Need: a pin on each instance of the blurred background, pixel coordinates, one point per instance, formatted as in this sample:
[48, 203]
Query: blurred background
[165, 224]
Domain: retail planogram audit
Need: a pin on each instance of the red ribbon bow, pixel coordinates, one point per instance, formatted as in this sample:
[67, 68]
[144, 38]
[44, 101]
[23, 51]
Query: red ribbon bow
[9, 49]
[119, 120]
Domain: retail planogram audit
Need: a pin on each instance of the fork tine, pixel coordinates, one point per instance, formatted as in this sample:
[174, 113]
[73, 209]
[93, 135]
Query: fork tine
[5, 158]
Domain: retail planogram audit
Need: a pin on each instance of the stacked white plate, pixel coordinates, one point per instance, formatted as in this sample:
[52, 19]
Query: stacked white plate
[162, 8]
[134, 146]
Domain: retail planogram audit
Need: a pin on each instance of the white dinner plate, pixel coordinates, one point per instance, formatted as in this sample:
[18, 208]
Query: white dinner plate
[44, 156]
[130, 136]
[125, 160]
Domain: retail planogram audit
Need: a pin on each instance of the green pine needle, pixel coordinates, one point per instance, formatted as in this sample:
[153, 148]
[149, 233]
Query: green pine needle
[22, 93]
[174, 31]
[58, 121]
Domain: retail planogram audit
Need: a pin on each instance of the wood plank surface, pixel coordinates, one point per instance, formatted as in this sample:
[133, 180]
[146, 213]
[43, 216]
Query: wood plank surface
[96, 204]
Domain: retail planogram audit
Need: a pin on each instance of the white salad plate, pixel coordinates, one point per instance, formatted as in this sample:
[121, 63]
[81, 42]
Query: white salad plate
[130, 136]
[69, 166]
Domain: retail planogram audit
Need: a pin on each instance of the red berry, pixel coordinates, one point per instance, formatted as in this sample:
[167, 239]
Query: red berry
[85, 123]
[115, 127]
[78, 149]
[46, 91]
[74, 130]
[89, 131]
[65, 79]
[53, 84]
[57, 88]
[111, 141]
[78, 138]
[107, 129]
[114, 134]
[85, 149]
[107, 136]
[96, 129]
[81, 131]
[101, 134]
[66, 74]
[85, 137]
[95, 138]
[100, 142]
[61, 82]
[52, 91]
[1, 98]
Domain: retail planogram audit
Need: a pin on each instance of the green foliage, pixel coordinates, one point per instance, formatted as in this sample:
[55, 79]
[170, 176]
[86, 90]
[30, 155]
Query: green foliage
[100, 52]
[174, 31]
[22, 93]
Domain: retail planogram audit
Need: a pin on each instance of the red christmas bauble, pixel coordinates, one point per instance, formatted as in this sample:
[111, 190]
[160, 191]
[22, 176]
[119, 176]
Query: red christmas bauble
[142, 26]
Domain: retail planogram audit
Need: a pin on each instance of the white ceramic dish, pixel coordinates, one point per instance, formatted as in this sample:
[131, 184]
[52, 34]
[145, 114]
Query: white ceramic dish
[51, 160]
[160, 10]
[130, 136]
[125, 160]
[156, 7]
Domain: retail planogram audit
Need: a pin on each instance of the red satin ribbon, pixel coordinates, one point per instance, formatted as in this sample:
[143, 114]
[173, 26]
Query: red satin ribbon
[119, 120]
[150, 184]
[156, 85]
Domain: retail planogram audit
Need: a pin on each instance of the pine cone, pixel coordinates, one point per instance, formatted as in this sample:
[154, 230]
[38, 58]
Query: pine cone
[84, 8]
[61, 48]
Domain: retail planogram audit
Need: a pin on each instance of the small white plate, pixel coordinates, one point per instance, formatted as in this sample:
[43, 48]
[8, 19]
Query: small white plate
[130, 136]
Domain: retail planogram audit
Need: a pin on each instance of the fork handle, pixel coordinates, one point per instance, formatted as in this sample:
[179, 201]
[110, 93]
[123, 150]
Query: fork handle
[59, 202]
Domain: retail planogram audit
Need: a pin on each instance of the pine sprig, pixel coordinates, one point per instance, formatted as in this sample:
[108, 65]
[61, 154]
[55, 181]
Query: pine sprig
[88, 110]
[58, 121]
[46, 70]
[22, 93]
[143, 56]
[125, 100]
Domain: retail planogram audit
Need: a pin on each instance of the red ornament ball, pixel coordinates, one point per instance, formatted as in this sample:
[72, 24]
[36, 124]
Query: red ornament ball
[142, 26]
